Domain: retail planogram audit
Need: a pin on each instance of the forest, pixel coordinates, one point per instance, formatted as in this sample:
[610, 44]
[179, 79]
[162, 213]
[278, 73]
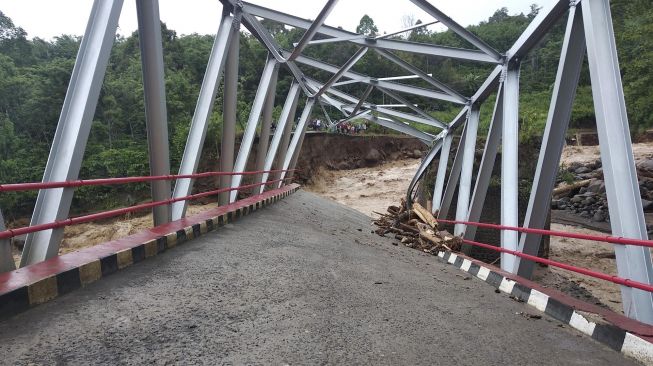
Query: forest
[34, 75]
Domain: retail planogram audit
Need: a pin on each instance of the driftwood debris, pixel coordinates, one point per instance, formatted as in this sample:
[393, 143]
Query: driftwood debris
[416, 228]
[561, 191]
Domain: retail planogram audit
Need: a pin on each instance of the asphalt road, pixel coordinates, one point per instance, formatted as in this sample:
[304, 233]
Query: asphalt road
[301, 282]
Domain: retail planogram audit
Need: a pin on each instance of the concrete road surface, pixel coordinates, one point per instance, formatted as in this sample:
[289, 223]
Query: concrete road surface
[302, 282]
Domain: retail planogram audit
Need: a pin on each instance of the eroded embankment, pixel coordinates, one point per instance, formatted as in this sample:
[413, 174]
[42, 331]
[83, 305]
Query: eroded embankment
[344, 152]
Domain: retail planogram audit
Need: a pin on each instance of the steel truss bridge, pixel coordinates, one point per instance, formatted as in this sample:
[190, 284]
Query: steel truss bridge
[589, 33]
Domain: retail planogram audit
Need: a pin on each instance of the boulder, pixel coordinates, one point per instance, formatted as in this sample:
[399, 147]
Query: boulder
[596, 186]
[582, 170]
[645, 168]
[599, 216]
[647, 205]
[373, 156]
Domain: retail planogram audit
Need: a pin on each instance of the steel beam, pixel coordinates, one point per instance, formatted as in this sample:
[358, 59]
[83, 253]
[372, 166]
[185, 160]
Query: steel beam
[426, 161]
[250, 130]
[454, 177]
[381, 110]
[348, 65]
[457, 28]
[295, 146]
[284, 119]
[400, 127]
[360, 36]
[406, 103]
[424, 76]
[510, 164]
[73, 129]
[6, 256]
[312, 30]
[266, 124]
[553, 140]
[620, 174]
[467, 168]
[485, 169]
[422, 48]
[203, 109]
[149, 37]
[362, 100]
[229, 108]
[538, 28]
[442, 173]
[408, 89]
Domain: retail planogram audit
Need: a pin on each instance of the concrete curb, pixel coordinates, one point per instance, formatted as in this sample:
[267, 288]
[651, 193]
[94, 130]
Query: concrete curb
[612, 336]
[27, 287]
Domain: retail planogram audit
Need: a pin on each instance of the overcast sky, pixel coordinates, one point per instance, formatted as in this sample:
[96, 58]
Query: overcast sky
[49, 18]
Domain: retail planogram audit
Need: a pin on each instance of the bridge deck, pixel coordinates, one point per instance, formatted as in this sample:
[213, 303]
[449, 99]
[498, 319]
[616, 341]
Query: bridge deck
[300, 282]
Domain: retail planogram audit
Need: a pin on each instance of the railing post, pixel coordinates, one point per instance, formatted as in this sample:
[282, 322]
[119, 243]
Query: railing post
[149, 36]
[250, 130]
[620, 174]
[553, 140]
[6, 256]
[203, 109]
[510, 163]
[469, 151]
[230, 103]
[73, 129]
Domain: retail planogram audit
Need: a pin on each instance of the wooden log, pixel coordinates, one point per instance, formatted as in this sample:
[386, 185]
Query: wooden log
[425, 215]
[408, 228]
[561, 191]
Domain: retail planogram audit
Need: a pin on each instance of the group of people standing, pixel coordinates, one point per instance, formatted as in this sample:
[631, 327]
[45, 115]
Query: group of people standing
[348, 128]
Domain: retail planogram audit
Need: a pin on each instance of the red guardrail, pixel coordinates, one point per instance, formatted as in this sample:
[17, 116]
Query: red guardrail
[607, 239]
[9, 233]
[615, 279]
[12, 187]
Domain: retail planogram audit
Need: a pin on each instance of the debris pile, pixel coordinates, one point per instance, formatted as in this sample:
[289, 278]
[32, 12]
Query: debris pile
[415, 228]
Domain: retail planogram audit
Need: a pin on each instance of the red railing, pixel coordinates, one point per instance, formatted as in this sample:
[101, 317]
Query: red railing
[584, 271]
[6, 234]
[124, 180]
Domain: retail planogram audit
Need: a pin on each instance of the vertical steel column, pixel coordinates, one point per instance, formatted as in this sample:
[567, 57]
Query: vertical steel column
[469, 150]
[203, 109]
[485, 169]
[621, 185]
[6, 257]
[291, 100]
[510, 163]
[442, 172]
[73, 129]
[297, 140]
[454, 176]
[564, 92]
[264, 137]
[252, 122]
[149, 36]
[285, 141]
[230, 102]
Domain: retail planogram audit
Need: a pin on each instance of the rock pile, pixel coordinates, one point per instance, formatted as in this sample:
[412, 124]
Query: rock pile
[581, 189]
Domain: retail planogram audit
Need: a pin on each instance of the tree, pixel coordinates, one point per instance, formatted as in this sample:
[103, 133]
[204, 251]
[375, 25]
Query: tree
[367, 26]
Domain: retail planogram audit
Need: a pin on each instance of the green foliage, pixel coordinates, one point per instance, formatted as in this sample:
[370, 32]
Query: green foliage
[34, 76]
